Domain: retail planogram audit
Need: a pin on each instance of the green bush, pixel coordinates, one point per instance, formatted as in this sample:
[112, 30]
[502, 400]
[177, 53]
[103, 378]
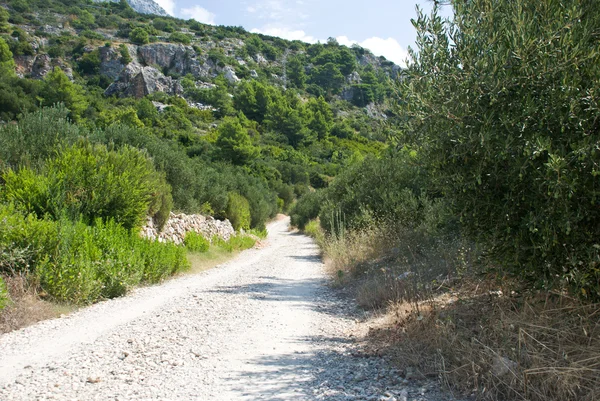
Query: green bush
[90, 182]
[234, 243]
[121, 265]
[509, 129]
[125, 56]
[4, 297]
[196, 242]
[262, 234]
[37, 136]
[161, 260]
[241, 242]
[91, 263]
[70, 274]
[180, 37]
[25, 241]
[238, 211]
[139, 36]
[307, 208]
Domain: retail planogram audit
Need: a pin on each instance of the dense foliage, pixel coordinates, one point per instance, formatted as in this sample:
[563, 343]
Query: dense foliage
[500, 112]
[80, 171]
[504, 104]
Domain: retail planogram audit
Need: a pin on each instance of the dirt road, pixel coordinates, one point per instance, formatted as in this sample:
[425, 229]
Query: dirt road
[264, 326]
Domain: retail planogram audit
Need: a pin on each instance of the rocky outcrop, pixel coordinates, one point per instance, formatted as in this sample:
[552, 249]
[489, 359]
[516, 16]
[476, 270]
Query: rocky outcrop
[110, 62]
[173, 58]
[229, 74]
[41, 66]
[354, 78]
[347, 93]
[142, 6]
[138, 81]
[37, 67]
[179, 225]
[24, 65]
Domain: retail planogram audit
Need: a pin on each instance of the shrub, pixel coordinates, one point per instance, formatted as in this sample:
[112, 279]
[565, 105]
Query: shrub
[510, 133]
[125, 56]
[4, 298]
[307, 208]
[37, 136]
[90, 263]
[238, 211]
[313, 229]
[25, 241]
[89, 182]
[139, 36]
[161, 260]
[241, 242]
[121, 264]
[180, 37]
[90, 63]
[70, 275]
[196, 242]
[58, 88]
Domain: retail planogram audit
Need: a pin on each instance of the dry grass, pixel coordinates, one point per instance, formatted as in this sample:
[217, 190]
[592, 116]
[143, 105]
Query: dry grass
[386, 264]
[478, 340]
[26, 306]
[479, 336]
[207, 260]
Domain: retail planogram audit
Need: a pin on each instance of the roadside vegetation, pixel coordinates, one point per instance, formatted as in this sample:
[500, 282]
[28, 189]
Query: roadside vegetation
[478, 234]
[80, 172]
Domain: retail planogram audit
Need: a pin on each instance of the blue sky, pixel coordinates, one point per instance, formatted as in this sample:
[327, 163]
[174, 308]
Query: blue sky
[383, 26]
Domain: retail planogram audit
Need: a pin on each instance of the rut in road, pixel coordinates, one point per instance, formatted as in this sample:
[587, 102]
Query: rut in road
[263, 326]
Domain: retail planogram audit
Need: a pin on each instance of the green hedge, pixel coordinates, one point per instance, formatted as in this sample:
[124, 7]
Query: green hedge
[506, 114]
[89, 181]
[196, 242]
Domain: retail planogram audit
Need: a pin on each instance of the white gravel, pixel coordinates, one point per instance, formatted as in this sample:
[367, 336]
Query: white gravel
[264, 326]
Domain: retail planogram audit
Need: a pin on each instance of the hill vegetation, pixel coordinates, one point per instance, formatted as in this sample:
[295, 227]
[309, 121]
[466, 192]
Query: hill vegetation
[110, 116]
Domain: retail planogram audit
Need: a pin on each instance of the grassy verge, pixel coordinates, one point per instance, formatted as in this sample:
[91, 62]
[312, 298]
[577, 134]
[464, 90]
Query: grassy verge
[24, 302]
[219, 251]
[480, 335]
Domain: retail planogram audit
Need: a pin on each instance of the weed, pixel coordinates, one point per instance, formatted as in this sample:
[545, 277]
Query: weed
[195, 242]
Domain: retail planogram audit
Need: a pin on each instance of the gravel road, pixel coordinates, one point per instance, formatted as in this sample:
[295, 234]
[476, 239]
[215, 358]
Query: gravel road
[264, 326]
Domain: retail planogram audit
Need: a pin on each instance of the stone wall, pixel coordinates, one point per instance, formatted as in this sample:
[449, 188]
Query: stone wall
[180, 224]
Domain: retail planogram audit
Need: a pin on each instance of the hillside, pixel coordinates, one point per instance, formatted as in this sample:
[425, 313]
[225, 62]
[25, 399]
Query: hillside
[110, 116]
[294, 114]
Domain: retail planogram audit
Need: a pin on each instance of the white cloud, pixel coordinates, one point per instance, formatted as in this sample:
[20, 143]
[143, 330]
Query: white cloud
[251, 9]
[199, 14]
[388, 48]
[167, 5]
[285, 33]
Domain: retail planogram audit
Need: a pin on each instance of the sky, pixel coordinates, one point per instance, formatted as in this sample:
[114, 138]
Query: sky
[382, 26]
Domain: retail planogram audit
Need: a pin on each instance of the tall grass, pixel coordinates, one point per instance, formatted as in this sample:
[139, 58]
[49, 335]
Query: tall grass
[4, 298]
[79, 263]
[501, 346]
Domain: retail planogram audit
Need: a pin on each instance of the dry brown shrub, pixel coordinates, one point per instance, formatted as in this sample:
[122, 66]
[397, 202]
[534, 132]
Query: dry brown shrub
[485, 340]
[26, 306]
[386, 264]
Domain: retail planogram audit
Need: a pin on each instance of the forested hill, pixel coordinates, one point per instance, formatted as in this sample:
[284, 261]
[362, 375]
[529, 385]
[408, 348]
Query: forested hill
[221, 111]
